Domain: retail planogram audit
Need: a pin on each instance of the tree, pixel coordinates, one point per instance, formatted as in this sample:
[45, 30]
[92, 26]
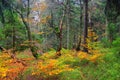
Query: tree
[23, 9]
[112, 11]
[68, 8]
[85, 25]
[80, 24]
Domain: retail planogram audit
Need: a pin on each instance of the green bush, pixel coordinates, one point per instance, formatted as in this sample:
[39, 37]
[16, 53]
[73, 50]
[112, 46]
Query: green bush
[116, 44]
[71, 75]
[106, 43]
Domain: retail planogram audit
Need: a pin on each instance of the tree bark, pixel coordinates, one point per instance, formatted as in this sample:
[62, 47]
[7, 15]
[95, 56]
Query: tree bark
[14, 40]
[80, 27]
[85, 26]
[2, 15]
[60, 34]
[68, 23]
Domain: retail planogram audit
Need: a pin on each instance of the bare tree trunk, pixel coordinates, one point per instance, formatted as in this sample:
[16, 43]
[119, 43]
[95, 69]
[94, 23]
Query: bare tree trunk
[23, 19]
[106, 30]
[14, 40]
[80, 33]
[85, 26]
[28, 26]
[68, 23]
[26, 23]
[2, 15]
[60, 34]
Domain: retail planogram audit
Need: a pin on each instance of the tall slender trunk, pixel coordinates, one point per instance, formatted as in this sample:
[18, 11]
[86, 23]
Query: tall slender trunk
[60, 34]
[106, 30]
[85, 26]
[14, 40]
[68, 23]
[2, 15]
[90, 27]
[28, 25]
[80, 27]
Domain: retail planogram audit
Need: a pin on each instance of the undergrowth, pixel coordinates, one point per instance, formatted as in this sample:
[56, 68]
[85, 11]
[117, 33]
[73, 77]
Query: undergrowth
[103, 64]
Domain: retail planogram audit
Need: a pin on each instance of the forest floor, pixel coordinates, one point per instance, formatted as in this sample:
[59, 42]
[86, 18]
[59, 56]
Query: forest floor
[71, 65]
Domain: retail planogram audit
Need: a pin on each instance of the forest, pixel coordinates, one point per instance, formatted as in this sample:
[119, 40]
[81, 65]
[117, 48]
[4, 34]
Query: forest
[59, 39]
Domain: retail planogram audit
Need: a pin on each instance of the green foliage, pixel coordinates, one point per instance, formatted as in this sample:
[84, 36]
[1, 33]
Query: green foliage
[116, 43]
[2, 37]
[112, 28]
[37, 37]
[105, 42]
[108, 69]
[48, 55]
[116, 47]
[110, 66]
[8, 35]
[71, 75]
[57, 29]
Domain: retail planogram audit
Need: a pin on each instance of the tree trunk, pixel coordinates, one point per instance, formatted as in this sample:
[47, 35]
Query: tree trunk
[2, 15]
[80, 27]
[28, 27]
[68, 23]
[14, 40]
[26, 23]
[85, 26]
[60, 34]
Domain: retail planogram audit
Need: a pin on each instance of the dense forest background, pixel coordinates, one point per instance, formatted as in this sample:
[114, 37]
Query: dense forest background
[59, 40]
